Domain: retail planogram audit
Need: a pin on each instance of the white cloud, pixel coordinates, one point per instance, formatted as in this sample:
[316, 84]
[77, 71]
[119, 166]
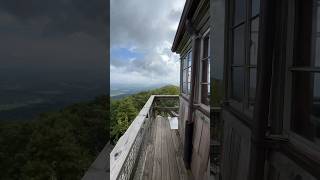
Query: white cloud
[147, 27]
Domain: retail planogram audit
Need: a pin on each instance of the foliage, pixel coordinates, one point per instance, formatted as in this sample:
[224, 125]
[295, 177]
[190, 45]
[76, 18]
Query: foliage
[56, 145]
[124, 111]
[63, 144]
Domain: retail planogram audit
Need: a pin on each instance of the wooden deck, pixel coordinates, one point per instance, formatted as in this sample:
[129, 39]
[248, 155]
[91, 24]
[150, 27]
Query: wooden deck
[161, 156]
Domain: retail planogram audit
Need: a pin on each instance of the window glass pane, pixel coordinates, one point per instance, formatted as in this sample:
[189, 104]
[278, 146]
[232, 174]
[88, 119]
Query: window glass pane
[185, 64]
[189, 79]
[205, 86]
[209, 71]
[238, 46]
[182, 63]
[317, 37]
[306, 105]
[204, 91]
[204, 71]
[185, 87]
[255, 7]
[239, 11]
[206, 47]
[189, 58]
[184, 79]
[308, 39]
[254, 41]
[252, 84]
[189, 74]
[237, 83]
[317, 55]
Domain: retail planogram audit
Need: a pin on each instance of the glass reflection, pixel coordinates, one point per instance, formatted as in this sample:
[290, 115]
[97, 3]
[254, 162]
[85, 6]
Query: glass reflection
[237, 83]
[306, 105]
[254, 41]
[238, 46]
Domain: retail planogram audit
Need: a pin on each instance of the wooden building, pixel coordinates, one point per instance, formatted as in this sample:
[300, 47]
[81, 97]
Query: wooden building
[262, 97]
[149, 149]
[192, 42]
[264, 88]
[266, 71]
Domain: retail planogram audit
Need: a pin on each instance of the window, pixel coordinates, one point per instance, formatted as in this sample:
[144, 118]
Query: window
[186, 73]
[244, 52]
[254, 41]
[305, 110]
[237, 67]
[205, 69]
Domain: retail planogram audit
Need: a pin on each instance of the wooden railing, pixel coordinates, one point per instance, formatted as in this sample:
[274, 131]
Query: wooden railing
[125, 153]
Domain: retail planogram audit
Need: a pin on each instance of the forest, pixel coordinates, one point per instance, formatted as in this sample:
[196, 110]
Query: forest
[62, 144]
[124, 111]
[55, 145]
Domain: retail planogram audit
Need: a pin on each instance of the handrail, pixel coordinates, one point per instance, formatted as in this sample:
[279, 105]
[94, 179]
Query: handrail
[125, 152]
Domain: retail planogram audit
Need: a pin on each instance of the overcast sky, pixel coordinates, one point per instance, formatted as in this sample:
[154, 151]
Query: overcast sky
[142, 32]
[60, 40]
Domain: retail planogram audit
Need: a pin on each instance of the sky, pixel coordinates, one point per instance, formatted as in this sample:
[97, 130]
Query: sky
[141, 36]
[53, 41]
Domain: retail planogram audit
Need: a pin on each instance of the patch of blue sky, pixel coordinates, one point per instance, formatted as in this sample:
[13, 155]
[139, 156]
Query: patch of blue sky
[125, 54]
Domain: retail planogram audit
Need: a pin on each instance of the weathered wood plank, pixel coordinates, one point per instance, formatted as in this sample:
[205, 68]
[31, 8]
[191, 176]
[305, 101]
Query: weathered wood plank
[166, 158]
[164, 149]
[176, 142]
[178, 155]
[205, 142]
[197, 134]
[148, 167]
[156, 175]
[172, 162]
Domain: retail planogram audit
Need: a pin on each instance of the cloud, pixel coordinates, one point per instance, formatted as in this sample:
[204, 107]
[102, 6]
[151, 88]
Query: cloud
[43, 36]
[146, 27]
[59, 17]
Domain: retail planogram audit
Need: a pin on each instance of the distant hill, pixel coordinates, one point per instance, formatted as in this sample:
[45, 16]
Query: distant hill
[26, 103]
[118, 91]
[120, 96]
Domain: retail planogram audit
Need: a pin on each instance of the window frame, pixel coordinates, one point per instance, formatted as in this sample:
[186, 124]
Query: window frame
[241, 107]
[295, 139]
[204, 35]
[184, 70]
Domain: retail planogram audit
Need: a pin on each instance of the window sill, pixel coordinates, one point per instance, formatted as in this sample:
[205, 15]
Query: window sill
[305, 145]
[185, 96]
[304, 153]
[236, 109]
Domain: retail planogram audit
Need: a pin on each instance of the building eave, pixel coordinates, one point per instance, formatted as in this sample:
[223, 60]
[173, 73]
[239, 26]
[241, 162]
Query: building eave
[188, 11]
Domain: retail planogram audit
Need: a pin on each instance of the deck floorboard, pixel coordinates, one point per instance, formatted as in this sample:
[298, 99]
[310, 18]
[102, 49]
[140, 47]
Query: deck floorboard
[163, 154]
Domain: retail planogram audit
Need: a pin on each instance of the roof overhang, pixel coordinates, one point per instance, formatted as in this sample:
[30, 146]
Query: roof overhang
[188, 11]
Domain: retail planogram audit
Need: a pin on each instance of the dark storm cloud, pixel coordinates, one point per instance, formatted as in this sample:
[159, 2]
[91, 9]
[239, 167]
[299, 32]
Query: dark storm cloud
[60, 17]
[54, 39]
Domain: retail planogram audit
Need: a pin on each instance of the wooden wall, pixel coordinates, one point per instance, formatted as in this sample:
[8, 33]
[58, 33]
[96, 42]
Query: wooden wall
[236, 149]
[201, 146]
[201, 129]
[280, 167]
[184, 106]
